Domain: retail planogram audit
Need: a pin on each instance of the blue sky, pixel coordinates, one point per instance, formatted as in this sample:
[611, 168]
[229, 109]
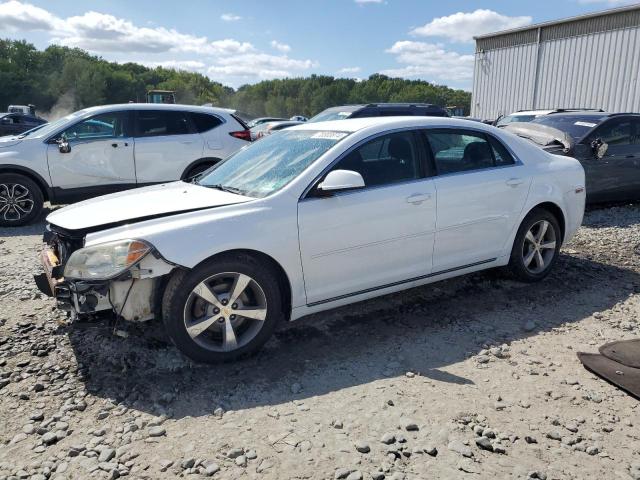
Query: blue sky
[245, 42]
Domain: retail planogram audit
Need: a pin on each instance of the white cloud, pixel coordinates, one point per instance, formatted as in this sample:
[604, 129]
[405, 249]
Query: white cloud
[349, 70]
[282, 47]
[100, 33]
[152, 45]
[364, 2]
[16, 16]
[259, 65]
[462, 27]
[230, 17]
[191, 65]
[431, 62]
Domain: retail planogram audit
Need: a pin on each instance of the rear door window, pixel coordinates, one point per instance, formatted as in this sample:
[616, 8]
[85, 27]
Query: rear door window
[154, 123]
[204, 122]
[500, 154]
[460, 150]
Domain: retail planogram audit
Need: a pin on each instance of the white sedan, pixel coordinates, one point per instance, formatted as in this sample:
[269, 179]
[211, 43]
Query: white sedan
[311, 218]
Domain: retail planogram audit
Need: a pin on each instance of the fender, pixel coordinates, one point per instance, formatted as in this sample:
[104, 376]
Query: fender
[42, 183]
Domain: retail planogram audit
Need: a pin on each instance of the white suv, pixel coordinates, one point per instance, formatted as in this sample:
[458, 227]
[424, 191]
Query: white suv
[111, 148]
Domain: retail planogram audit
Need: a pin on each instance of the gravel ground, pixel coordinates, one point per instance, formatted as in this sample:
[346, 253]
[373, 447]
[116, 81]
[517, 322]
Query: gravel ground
[475, 377]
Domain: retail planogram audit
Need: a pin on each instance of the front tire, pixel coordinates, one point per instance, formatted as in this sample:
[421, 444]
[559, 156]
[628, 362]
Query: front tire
[536, 246]
[197, 170]
[222, 310]
[20, 200]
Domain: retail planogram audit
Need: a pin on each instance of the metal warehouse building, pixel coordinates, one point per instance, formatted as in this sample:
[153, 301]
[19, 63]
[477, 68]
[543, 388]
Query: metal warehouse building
[590, 61]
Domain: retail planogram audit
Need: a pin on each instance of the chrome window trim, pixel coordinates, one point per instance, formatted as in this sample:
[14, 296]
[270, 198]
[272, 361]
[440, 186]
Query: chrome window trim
[429, 154]
[516, 161]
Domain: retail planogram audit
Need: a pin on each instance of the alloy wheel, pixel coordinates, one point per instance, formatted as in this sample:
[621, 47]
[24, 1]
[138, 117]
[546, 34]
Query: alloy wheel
[225, 311]
[16, 202]
[539, 246]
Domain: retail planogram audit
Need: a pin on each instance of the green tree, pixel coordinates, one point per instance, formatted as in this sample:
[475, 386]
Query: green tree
[64, 79]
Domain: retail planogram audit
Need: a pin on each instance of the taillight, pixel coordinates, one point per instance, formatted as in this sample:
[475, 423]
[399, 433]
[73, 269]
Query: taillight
[242, 135]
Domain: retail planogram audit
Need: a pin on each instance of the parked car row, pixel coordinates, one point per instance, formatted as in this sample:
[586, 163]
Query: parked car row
[380, 110]
[530, 115]
[316, 216]
[267, 128]
[373, 198]
[106, 149]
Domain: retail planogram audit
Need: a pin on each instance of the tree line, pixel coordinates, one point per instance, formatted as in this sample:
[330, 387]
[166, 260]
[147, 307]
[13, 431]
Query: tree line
[60, 79]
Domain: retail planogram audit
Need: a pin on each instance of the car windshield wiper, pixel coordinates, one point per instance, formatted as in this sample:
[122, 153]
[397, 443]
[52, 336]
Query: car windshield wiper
[226, 188]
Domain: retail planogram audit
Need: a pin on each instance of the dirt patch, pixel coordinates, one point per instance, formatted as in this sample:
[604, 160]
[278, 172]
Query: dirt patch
[473, 377]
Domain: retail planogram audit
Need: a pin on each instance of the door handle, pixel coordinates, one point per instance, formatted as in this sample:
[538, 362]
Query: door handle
[114, 145]
[418, 198]
[514, 182]
[187, 142]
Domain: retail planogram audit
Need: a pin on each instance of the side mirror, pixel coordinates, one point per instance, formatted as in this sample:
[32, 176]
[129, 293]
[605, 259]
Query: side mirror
[599, 148]
[339, 180]
[63, 145]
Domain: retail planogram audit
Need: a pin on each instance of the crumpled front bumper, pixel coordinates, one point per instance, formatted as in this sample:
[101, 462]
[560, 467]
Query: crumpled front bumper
[133, 295]
[77, 297]
[47, 280]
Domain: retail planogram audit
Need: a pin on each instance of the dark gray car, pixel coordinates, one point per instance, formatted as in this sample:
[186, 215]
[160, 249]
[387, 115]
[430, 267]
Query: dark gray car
[607, 145]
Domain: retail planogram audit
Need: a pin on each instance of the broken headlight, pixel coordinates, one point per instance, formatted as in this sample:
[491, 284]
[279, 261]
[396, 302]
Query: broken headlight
[106, 260]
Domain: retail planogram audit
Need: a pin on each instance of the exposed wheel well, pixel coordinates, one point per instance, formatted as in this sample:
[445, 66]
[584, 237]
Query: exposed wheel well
[556, 211]
[209, 161]
[283, 279]
[30, 175]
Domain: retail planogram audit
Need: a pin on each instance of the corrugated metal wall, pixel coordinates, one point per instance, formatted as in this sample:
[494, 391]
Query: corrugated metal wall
[596, 70]
[503, 81]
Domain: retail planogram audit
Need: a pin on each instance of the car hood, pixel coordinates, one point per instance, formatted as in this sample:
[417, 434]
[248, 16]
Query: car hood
[9, 141]
[539, 134]
[139, 204]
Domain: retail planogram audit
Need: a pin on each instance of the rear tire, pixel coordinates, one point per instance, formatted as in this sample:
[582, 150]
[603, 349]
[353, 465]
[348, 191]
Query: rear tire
[536, 246]
[202, 309]
[21, 200]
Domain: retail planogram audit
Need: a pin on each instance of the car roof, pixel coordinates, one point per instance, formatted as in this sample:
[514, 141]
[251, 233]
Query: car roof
[359, 106]
[283, 122]
[583, 114]
[530, 112]
[386, 123]
[157, 106]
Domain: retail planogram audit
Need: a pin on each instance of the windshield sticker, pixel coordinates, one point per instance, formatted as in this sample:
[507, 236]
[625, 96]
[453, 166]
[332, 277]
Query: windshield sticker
[585, 124]
[329, 135]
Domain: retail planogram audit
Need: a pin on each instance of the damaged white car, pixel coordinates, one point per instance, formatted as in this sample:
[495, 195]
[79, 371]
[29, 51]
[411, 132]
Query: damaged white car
[311, 218]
